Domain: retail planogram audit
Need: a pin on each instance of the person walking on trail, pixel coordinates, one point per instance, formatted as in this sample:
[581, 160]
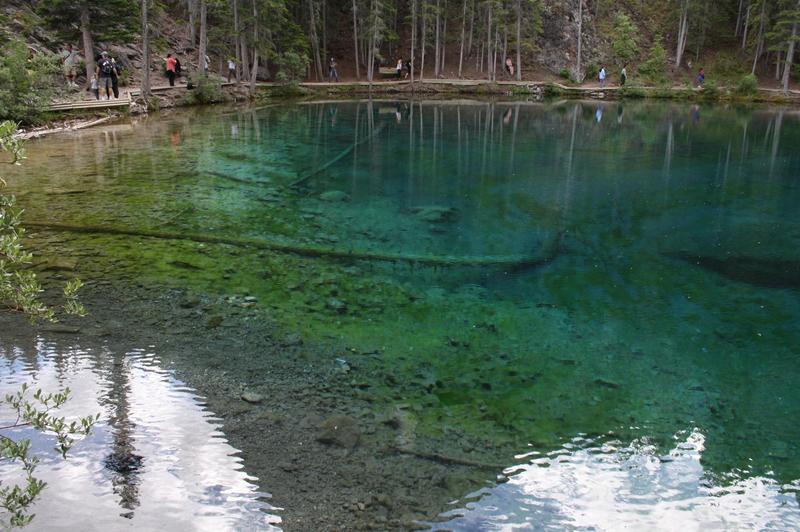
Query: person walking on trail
[115, 77]
[68, 59]
[701, 77]
[602, 76]
[332, 74]
[623, 76]
[399, 68]
[104, 71]
[95, 90]
[171, 66]
[510, 67]
[231, 69]
[206, 62]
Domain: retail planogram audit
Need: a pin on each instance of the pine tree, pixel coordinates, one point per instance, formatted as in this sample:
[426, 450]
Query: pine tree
[624, 44]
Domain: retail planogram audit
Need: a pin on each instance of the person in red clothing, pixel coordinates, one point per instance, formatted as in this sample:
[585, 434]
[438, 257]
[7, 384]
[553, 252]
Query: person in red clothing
[171, 61]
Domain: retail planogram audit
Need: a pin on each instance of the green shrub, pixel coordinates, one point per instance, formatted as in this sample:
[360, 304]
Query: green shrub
[291, 67]
[624, 43]
[592, 70]
[632, 91]
[748, 85]
[565, 74]
[203, 90]
[711, 90]
[25, 82]
[726, 67]
[655, 68]
[550, 89]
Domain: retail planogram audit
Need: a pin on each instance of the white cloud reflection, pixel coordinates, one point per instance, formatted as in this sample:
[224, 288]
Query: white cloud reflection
[188, 477]
[592, 486]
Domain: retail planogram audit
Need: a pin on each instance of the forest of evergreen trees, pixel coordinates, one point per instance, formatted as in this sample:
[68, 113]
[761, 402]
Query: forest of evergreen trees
[450, 38]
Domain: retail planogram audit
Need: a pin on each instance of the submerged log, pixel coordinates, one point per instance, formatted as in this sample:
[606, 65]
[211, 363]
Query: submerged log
[548, 253]
[449, 460]
[308, 175]
[764, 272]
[236, 179]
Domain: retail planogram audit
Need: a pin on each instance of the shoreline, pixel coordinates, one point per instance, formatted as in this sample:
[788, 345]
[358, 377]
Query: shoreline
[174, 97]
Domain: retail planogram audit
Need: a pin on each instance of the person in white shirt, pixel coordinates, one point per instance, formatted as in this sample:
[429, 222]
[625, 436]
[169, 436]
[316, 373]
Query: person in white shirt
[231, 69]
[602, 77]
[69, 58]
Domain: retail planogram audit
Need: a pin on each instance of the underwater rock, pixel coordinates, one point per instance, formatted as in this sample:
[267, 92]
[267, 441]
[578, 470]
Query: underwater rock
[764, 272]
[291, 340]
[435, 214]
[252, 397]
[189, 302]
[183, 264]
[334, 195]
[60, 329]
[607, 384]
[339, 430]
[60, 265]
[213, 322]
[336, 305]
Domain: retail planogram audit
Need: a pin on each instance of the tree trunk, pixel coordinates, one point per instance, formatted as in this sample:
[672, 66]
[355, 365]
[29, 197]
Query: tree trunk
[578, 76]
[88, 44]
[145, 53]
[192, 8]
[238, 51]
[254, 71]
[739, 18]
[355, 39]
[760, 43]
[787, 64]
[413, 39]
[489, 41]
[519, 42]
[371, 49]
[437, 50]
[203, 38]
[312, 28]
[683, 32]
[245, 57]
[444, 39]
[463, 37]
[471, 27]
[778, 66]
[424, 16]
[325, 30]
[494, 57]
[745, 28]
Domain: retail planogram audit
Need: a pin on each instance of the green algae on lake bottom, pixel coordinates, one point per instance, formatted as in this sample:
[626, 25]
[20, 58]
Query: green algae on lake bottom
[631, 327]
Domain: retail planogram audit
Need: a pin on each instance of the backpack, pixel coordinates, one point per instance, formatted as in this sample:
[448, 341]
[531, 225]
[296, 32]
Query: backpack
[106, 68]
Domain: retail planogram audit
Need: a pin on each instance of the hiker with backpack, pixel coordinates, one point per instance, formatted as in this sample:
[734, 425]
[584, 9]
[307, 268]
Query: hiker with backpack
[105, 72]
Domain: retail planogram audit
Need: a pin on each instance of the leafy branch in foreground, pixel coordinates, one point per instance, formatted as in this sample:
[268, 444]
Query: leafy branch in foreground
[16, 500]
[19, 286]
[19, 291]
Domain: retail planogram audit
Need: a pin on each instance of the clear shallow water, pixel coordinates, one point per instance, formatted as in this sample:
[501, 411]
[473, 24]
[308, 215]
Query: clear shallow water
[156, 460]
[665, 301]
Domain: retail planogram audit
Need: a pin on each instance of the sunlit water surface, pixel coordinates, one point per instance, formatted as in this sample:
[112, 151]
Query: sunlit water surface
[156, 460]
[641, 301]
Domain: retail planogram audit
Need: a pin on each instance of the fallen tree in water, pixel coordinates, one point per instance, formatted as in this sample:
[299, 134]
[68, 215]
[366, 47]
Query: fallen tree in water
[547, 254]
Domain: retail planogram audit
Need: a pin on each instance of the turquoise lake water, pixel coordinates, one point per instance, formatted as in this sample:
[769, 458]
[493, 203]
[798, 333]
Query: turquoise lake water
[612, 289]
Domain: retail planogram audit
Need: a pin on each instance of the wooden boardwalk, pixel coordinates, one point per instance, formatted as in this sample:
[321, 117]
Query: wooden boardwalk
[124, 101]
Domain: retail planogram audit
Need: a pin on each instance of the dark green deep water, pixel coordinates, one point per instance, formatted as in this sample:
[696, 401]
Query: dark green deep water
[644, 299]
